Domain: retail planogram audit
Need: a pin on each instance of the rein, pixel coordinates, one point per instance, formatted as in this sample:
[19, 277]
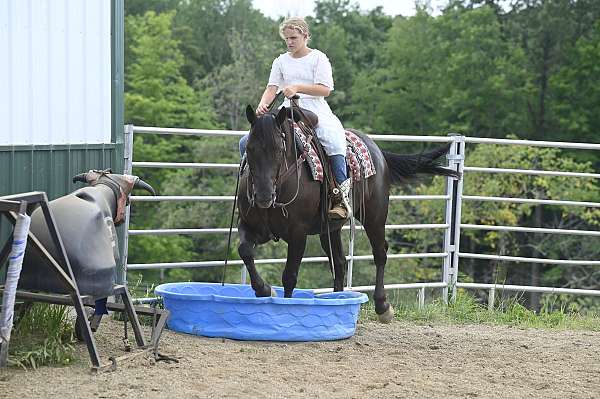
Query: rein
[237, 185]
[299, 160]
[282, 177]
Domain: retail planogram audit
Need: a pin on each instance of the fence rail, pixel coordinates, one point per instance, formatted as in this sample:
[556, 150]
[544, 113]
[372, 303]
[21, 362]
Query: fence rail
[235, 230]
[530, 229]
[531, 172]
[450, 253]
[531, 201]
[186, 165]
[315, 259]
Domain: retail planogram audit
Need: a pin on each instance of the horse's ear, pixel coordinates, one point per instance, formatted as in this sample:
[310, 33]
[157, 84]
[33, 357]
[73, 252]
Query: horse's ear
[250, 115]
[281, 115]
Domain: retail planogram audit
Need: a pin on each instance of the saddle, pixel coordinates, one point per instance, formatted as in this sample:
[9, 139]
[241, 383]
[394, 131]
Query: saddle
[309, 118]
[358, 156]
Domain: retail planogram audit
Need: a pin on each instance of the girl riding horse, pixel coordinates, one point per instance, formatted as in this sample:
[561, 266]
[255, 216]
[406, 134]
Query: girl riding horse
[306, 72]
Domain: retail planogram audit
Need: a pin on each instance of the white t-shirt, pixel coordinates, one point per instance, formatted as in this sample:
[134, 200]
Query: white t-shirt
[313, 68]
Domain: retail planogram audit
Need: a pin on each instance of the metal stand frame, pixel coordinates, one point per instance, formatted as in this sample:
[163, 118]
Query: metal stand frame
[62, 268]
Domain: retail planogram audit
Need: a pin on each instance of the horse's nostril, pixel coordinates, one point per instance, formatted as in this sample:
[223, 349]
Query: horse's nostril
[264, 200]
[264, 204]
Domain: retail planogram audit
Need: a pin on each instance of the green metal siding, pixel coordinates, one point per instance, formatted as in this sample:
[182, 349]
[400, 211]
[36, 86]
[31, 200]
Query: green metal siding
[50, 169]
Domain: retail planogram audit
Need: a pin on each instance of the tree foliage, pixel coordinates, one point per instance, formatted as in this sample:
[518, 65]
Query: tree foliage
[528, 69]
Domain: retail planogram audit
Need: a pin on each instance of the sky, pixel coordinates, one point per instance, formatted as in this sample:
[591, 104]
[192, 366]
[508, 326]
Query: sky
[278, 8]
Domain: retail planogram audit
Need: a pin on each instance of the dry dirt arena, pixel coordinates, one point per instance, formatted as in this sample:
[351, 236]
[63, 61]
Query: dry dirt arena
[398, 360]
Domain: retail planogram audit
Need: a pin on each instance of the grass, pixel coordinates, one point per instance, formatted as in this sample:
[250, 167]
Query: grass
[138, 290]
[466, 310]
[43, 336]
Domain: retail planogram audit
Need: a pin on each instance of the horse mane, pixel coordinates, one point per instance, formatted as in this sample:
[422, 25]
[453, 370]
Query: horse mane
[263, 124]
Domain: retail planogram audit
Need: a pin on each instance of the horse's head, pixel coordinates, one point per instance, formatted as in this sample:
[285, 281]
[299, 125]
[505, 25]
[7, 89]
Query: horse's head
[265, 152]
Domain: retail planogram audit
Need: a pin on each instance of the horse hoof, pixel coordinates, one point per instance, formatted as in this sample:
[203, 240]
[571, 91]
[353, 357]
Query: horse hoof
[386, 316]
[265, 291]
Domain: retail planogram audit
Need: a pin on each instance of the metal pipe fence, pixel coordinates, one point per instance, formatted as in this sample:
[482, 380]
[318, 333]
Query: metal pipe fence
[450, 252]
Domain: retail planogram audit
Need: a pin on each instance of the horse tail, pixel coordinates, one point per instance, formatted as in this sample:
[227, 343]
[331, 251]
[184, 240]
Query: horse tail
[403, 167]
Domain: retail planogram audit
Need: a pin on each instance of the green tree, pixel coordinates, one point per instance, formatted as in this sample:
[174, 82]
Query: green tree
[351, 38]
[547, 31]
[235, 85]
[482, 86]
[455, 72]
[158, 95]
[140, 7]
[577, 87]
[406, 92]
[204, 28]
[156, 92]
[514, 214]
[482, 68]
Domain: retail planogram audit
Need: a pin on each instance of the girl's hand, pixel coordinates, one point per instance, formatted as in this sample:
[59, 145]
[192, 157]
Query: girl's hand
[262, 108]
[290, 91]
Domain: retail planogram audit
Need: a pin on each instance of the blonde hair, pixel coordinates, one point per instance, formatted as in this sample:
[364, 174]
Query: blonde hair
[295, 23]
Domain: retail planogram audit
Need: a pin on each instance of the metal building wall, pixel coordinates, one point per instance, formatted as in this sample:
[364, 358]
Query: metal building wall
[61, 93]
[49, 168]
[55, 74]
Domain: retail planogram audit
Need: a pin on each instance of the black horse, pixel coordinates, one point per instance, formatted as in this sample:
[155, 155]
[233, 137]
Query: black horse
[262, 192]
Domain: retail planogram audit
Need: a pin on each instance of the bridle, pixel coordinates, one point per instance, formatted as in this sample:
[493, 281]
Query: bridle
[281, 175]
[282, 149]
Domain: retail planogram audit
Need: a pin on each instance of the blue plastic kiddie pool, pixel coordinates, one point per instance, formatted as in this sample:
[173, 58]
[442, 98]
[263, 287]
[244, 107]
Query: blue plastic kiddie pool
[233, 311]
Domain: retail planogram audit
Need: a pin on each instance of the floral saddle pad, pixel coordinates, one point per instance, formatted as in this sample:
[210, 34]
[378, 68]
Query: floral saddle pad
[358, 157]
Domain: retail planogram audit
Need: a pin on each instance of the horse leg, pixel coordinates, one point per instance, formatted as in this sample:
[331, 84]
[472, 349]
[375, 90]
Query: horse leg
[375, 229]
[289, 277]
[339, 259]
[246, 252]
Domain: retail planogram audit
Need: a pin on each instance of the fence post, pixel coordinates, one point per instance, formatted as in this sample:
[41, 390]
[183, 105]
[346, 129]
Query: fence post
[421, 297]
[351, 249]
[127, 169]
[243, 275]
[456, 161]
[491, 298]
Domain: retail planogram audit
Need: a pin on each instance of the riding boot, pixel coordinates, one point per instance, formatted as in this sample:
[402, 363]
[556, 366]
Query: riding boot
[342, 208]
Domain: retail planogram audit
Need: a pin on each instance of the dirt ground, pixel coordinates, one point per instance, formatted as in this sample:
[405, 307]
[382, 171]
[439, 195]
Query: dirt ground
[398, 360]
